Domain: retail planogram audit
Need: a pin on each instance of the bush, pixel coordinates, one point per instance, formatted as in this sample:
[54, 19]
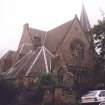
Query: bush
[8, 91]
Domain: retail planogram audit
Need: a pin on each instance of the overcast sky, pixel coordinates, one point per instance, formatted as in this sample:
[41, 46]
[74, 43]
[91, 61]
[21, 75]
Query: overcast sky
[40, 14]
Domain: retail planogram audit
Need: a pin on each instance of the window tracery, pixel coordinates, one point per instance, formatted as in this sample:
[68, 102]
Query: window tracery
[77, 49]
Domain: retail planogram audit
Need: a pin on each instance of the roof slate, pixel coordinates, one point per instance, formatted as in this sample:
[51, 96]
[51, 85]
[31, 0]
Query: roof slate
[55, 36]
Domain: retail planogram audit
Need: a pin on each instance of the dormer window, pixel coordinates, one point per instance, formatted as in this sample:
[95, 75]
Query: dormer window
[36, 42]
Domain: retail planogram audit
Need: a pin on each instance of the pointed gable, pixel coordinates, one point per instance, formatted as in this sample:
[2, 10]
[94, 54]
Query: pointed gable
[84, 20]
[27, 39]
[76, 31]
[37, 33]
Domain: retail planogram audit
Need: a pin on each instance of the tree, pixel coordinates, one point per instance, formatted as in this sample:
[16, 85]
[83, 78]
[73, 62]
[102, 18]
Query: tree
[8, 92]
[99, 36]
[46, 81]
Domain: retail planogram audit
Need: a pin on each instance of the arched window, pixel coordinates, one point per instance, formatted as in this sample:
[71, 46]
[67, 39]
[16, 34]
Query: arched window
[77, 48]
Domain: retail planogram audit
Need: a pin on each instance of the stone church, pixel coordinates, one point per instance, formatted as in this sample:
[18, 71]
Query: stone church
[66, 51]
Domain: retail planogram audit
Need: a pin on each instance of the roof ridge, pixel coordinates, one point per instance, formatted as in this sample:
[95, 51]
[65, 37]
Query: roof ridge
[36, 29]
[43, 50]
[44, 38]
[48, 52]
[46, 63]
[33, 62]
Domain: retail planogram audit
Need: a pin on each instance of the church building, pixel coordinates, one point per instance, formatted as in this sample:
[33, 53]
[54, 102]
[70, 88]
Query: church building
[66, 51]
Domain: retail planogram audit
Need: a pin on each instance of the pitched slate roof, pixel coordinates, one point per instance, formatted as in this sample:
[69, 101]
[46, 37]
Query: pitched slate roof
[53, 37]
[34, 63]
[56, 35]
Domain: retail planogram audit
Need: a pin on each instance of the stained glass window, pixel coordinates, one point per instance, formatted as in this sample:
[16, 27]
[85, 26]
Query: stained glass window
[77, 49]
